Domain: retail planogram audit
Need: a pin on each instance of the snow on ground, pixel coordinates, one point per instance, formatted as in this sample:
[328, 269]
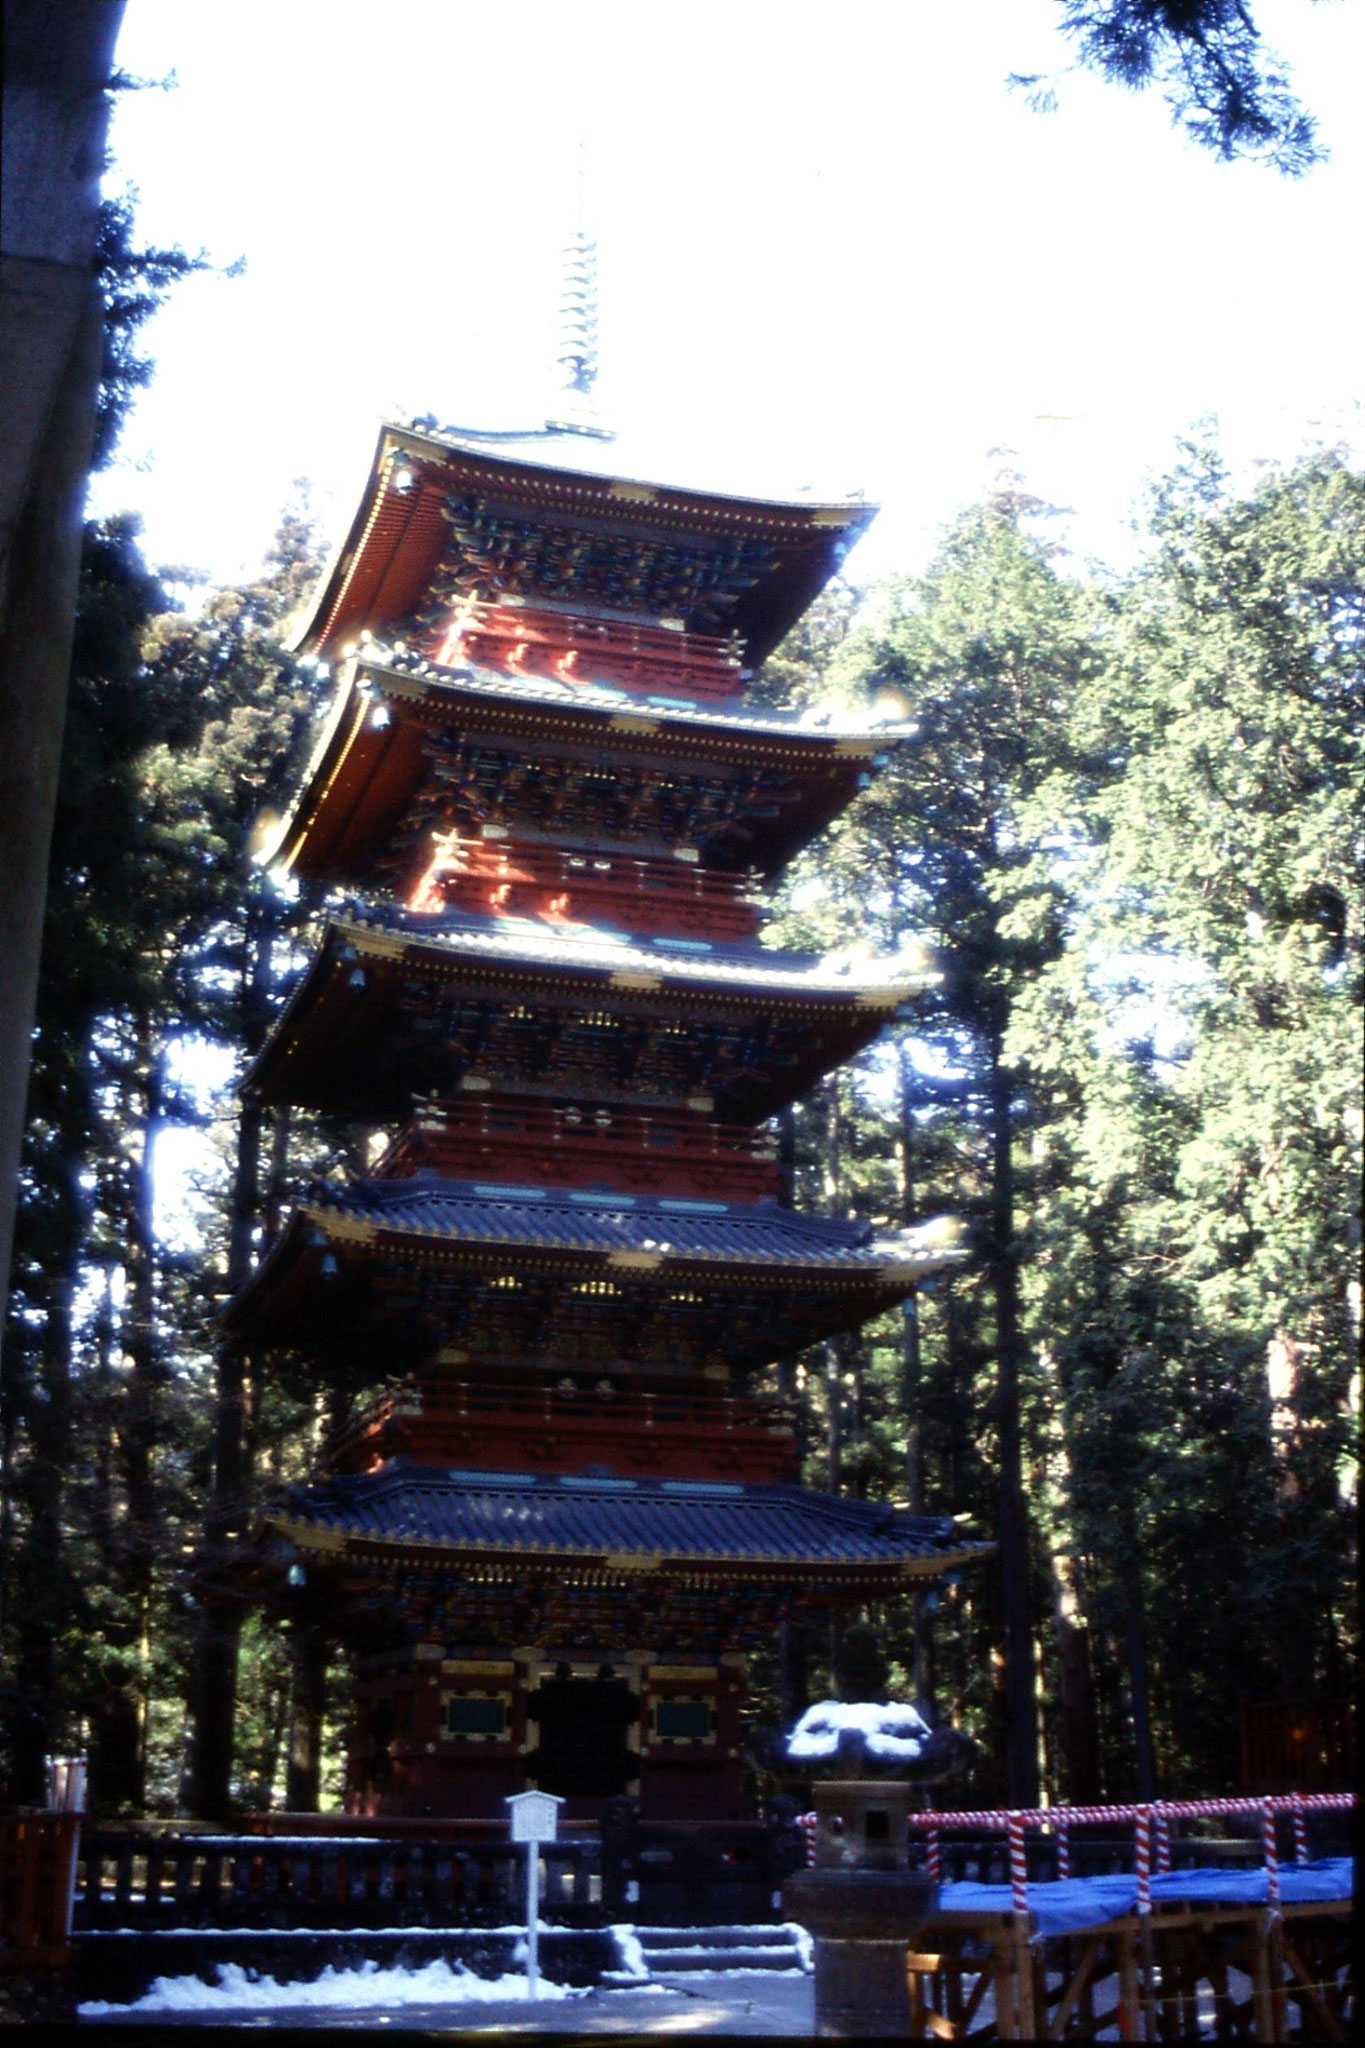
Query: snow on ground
[805, 1945]
[630, 1956]
[239, 1990]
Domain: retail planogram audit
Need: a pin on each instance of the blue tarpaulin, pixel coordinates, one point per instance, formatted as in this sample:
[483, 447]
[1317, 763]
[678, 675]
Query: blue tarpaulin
[1073, 1904]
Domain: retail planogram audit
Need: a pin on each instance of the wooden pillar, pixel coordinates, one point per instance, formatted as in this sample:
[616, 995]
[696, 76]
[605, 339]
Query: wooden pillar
[214, 1710]
[792, 1680]
[308, 1664]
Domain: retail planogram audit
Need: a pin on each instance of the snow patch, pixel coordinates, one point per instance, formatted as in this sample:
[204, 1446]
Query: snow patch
[630, 1955]
[803, 1943]
[241, 1990]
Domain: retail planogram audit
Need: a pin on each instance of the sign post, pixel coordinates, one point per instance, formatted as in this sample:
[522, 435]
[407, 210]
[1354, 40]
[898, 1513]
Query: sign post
[535, 1819]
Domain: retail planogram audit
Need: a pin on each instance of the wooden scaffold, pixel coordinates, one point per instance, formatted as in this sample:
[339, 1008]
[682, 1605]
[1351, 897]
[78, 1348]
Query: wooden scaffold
[1153, 1954]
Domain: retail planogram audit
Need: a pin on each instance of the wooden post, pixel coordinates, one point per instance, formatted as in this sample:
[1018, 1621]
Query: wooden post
[1022, 1960]
[1129, 2010]
[308, 1667]
[1003, 1983]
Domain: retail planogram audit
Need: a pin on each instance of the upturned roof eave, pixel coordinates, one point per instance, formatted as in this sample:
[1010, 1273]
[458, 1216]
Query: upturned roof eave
[623, 713]
[301, 637]
[383, 943]
[280, 848]
[627, 973]
[645, 725]
[326, 1540]
[852, 515]
[494, 448]
[889, 1267]
[881, 1262]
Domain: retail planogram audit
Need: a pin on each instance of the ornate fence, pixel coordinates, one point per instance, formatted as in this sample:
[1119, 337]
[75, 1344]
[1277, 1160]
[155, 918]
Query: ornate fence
[155, 1882]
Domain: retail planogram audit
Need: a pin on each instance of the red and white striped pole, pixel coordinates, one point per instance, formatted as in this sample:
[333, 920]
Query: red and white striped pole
[1300, 1834]
[806, 1823]
[935, 1857]
[1161, 1833]
[1272, 1856]
[1142, 1847]
[1018, 1864]
[1063, 1846]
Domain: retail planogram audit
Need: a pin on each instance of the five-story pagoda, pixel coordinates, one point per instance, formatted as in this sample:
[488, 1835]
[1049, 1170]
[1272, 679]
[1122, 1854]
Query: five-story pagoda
[536, 823]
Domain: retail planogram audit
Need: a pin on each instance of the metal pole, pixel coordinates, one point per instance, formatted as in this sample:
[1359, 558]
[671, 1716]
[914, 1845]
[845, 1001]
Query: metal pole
[532, 1920]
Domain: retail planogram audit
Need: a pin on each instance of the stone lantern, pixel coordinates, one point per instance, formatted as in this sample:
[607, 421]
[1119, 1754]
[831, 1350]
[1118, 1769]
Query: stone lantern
[861, 1901]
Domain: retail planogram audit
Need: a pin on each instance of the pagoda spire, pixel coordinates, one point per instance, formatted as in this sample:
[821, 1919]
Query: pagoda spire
[577, 351]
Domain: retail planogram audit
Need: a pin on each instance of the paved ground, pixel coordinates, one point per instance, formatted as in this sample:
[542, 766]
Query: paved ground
[762, 2002]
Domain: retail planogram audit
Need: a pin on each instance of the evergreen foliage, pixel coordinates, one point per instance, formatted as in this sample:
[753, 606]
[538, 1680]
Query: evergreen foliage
[177, 730]
[1223, 87]
[1129, 814]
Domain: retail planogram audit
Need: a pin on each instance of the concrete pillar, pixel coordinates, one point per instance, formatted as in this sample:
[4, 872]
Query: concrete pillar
[58, 56]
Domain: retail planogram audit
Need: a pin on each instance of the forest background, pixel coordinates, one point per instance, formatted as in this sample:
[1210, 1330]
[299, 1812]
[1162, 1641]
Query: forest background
[1130, 819]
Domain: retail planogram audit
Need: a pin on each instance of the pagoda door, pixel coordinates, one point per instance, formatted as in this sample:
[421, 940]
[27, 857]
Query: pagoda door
[584, 1751]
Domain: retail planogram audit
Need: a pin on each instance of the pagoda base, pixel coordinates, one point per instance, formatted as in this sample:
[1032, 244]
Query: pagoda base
[445, 1732]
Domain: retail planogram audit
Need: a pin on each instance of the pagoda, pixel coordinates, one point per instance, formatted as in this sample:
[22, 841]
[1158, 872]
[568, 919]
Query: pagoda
[567, 1503]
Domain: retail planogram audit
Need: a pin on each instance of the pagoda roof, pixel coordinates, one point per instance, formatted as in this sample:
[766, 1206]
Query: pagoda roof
[365, 770]
[344, 1006]
[553, 482]
[621, 1526]
[432, 1225]
[744, 968]
[687, 1230]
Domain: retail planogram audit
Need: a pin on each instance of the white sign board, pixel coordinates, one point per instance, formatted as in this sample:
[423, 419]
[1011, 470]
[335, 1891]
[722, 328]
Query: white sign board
[535, 1816]
[535, 1819]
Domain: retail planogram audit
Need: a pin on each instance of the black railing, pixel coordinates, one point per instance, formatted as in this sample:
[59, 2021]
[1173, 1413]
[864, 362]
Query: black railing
[669, 1874]
[162, 1881]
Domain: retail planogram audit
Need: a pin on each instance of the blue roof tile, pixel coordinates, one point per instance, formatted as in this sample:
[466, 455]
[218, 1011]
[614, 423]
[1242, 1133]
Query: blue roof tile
[483, 1212]
[519, 1512]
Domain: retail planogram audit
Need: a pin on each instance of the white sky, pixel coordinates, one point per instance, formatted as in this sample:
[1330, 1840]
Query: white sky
[835, 249]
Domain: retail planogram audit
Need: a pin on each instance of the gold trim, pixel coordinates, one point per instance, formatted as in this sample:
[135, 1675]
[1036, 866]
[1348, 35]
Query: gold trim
[378, 944]
[343, 1228]
[312, 1535]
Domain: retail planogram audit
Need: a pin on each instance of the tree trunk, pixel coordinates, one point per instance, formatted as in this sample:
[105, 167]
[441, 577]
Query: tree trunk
[1135, 1648]
[1076, 1686]
[118, 1754]
[786, 1157]
[1021, 1711]
[911, 1372]
[43, 1610]
[276, 1180]
[214, 1684]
